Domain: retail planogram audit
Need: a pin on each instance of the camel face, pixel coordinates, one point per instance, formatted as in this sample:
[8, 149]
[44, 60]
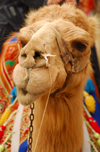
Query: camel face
[40, 66]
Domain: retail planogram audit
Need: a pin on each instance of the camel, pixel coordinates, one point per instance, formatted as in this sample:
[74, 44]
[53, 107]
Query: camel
[54, 63]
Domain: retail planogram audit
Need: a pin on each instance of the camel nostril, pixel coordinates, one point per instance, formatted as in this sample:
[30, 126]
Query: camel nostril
[37, 54]
[24, 55]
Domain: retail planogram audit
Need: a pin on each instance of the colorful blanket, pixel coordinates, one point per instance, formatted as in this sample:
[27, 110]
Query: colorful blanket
[8, 60]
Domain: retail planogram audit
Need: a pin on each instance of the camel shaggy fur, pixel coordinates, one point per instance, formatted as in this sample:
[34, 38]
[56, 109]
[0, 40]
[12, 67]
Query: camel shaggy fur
[53, 67]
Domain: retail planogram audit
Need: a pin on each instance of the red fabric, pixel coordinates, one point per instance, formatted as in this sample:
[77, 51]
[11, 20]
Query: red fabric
[87, 5]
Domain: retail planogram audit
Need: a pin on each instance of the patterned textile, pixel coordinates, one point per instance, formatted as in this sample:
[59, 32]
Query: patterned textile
[23, 131]
[8, 60]
[93, 140]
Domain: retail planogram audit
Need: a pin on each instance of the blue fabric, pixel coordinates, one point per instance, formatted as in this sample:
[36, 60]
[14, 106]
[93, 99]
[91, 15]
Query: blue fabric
[13, 39]
[23, 147]
[14, 93]
[89, 86]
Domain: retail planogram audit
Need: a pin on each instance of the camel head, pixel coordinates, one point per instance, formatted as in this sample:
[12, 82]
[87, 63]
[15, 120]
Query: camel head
[55, 53]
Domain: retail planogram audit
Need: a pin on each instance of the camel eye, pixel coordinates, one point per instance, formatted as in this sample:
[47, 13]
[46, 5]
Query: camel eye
[81, 46]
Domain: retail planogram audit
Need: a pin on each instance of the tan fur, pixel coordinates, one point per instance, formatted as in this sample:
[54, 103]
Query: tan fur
[62, 128]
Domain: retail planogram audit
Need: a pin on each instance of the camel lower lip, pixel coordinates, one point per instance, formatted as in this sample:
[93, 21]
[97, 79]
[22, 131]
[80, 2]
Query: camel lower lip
[24, 97]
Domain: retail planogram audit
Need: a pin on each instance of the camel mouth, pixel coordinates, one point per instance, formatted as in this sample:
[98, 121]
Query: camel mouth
[24, 91]
[24, 97]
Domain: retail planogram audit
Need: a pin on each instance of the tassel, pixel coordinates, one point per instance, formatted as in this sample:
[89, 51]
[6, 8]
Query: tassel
[97, 136]
[89, 102]
[7, 113]
[94, 124]
[3, 127]
[2, 147]
[5, 116]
